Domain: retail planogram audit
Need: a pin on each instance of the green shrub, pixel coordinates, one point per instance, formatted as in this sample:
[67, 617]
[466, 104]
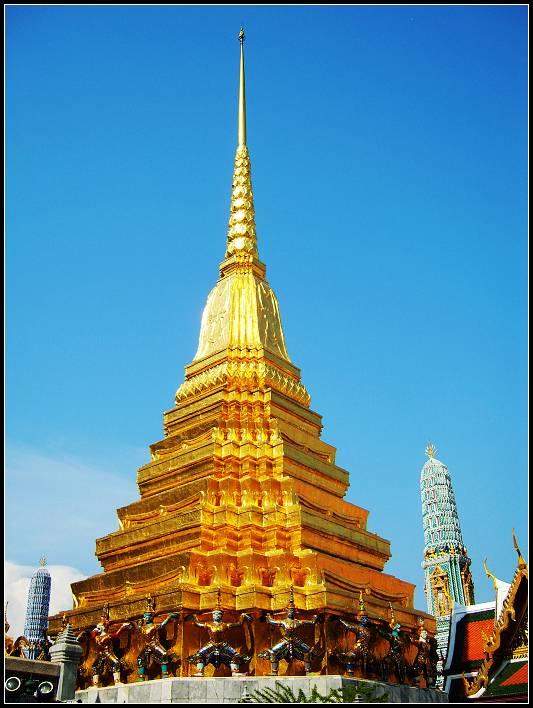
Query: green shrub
[353, 693]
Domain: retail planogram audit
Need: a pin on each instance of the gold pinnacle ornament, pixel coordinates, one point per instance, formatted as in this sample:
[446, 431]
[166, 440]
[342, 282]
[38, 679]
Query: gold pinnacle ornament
[362, 609]
[431, 450]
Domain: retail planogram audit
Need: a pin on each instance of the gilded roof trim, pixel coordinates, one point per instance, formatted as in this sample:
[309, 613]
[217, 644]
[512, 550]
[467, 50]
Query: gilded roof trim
[492, 644]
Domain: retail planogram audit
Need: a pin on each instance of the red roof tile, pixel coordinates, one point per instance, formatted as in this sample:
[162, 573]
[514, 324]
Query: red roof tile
[473, 641]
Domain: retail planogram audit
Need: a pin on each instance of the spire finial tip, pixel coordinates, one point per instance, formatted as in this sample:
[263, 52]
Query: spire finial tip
[431, 450]
[241, 36]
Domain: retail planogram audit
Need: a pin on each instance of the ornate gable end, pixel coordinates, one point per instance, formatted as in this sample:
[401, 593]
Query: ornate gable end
[507, 645]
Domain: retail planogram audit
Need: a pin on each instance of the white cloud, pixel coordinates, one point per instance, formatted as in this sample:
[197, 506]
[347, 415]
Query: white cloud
[16, 585]
[58, 506]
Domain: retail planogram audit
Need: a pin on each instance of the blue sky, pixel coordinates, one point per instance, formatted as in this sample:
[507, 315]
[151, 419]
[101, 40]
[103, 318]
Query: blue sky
[389, 154]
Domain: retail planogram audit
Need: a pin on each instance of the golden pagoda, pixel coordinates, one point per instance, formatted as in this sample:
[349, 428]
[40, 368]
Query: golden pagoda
[241, 499]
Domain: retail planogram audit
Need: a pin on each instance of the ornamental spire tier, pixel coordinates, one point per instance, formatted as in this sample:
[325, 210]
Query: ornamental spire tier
[242, 503]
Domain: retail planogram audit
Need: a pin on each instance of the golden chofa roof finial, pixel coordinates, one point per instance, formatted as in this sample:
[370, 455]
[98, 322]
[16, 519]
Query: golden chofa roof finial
[490, 575]
[431, 450]
[242, 95]
[521, 562]
[42, 561]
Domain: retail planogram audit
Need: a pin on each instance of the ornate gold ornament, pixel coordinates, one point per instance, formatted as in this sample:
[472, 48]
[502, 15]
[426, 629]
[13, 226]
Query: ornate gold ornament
[442, 600]
[490, 575]
[431, 450]
[521, 562]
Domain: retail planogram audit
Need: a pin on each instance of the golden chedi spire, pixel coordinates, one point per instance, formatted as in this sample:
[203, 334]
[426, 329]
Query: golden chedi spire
[241, 227]
[241, 319]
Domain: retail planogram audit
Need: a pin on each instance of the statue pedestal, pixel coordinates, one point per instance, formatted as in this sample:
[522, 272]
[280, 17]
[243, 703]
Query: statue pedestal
[232, 689]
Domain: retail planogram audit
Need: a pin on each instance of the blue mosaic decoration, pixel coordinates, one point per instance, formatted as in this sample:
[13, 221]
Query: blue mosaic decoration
[446, 565]
[36, 622]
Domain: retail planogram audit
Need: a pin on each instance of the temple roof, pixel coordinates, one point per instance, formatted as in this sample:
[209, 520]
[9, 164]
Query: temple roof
[511, 679]
[466, 645]
[489, 643]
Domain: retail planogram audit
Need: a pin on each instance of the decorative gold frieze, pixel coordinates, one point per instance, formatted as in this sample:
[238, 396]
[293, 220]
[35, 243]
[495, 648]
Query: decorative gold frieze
[246, 376]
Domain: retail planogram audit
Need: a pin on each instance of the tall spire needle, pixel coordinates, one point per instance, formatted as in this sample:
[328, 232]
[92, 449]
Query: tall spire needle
[242, 95]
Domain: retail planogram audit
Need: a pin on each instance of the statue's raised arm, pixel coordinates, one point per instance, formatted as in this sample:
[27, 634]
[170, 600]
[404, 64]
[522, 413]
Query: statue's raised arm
[169, 618]
[272, 621]
[311, 622]
[197, 622]
[350, 626]
[242, 619]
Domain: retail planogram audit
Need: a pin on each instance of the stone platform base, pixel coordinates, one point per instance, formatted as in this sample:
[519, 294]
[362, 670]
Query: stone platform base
[232, 690]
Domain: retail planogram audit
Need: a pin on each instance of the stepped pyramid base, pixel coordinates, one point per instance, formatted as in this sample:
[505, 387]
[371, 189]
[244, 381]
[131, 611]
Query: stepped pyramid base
[242, 500]
[233, 689]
